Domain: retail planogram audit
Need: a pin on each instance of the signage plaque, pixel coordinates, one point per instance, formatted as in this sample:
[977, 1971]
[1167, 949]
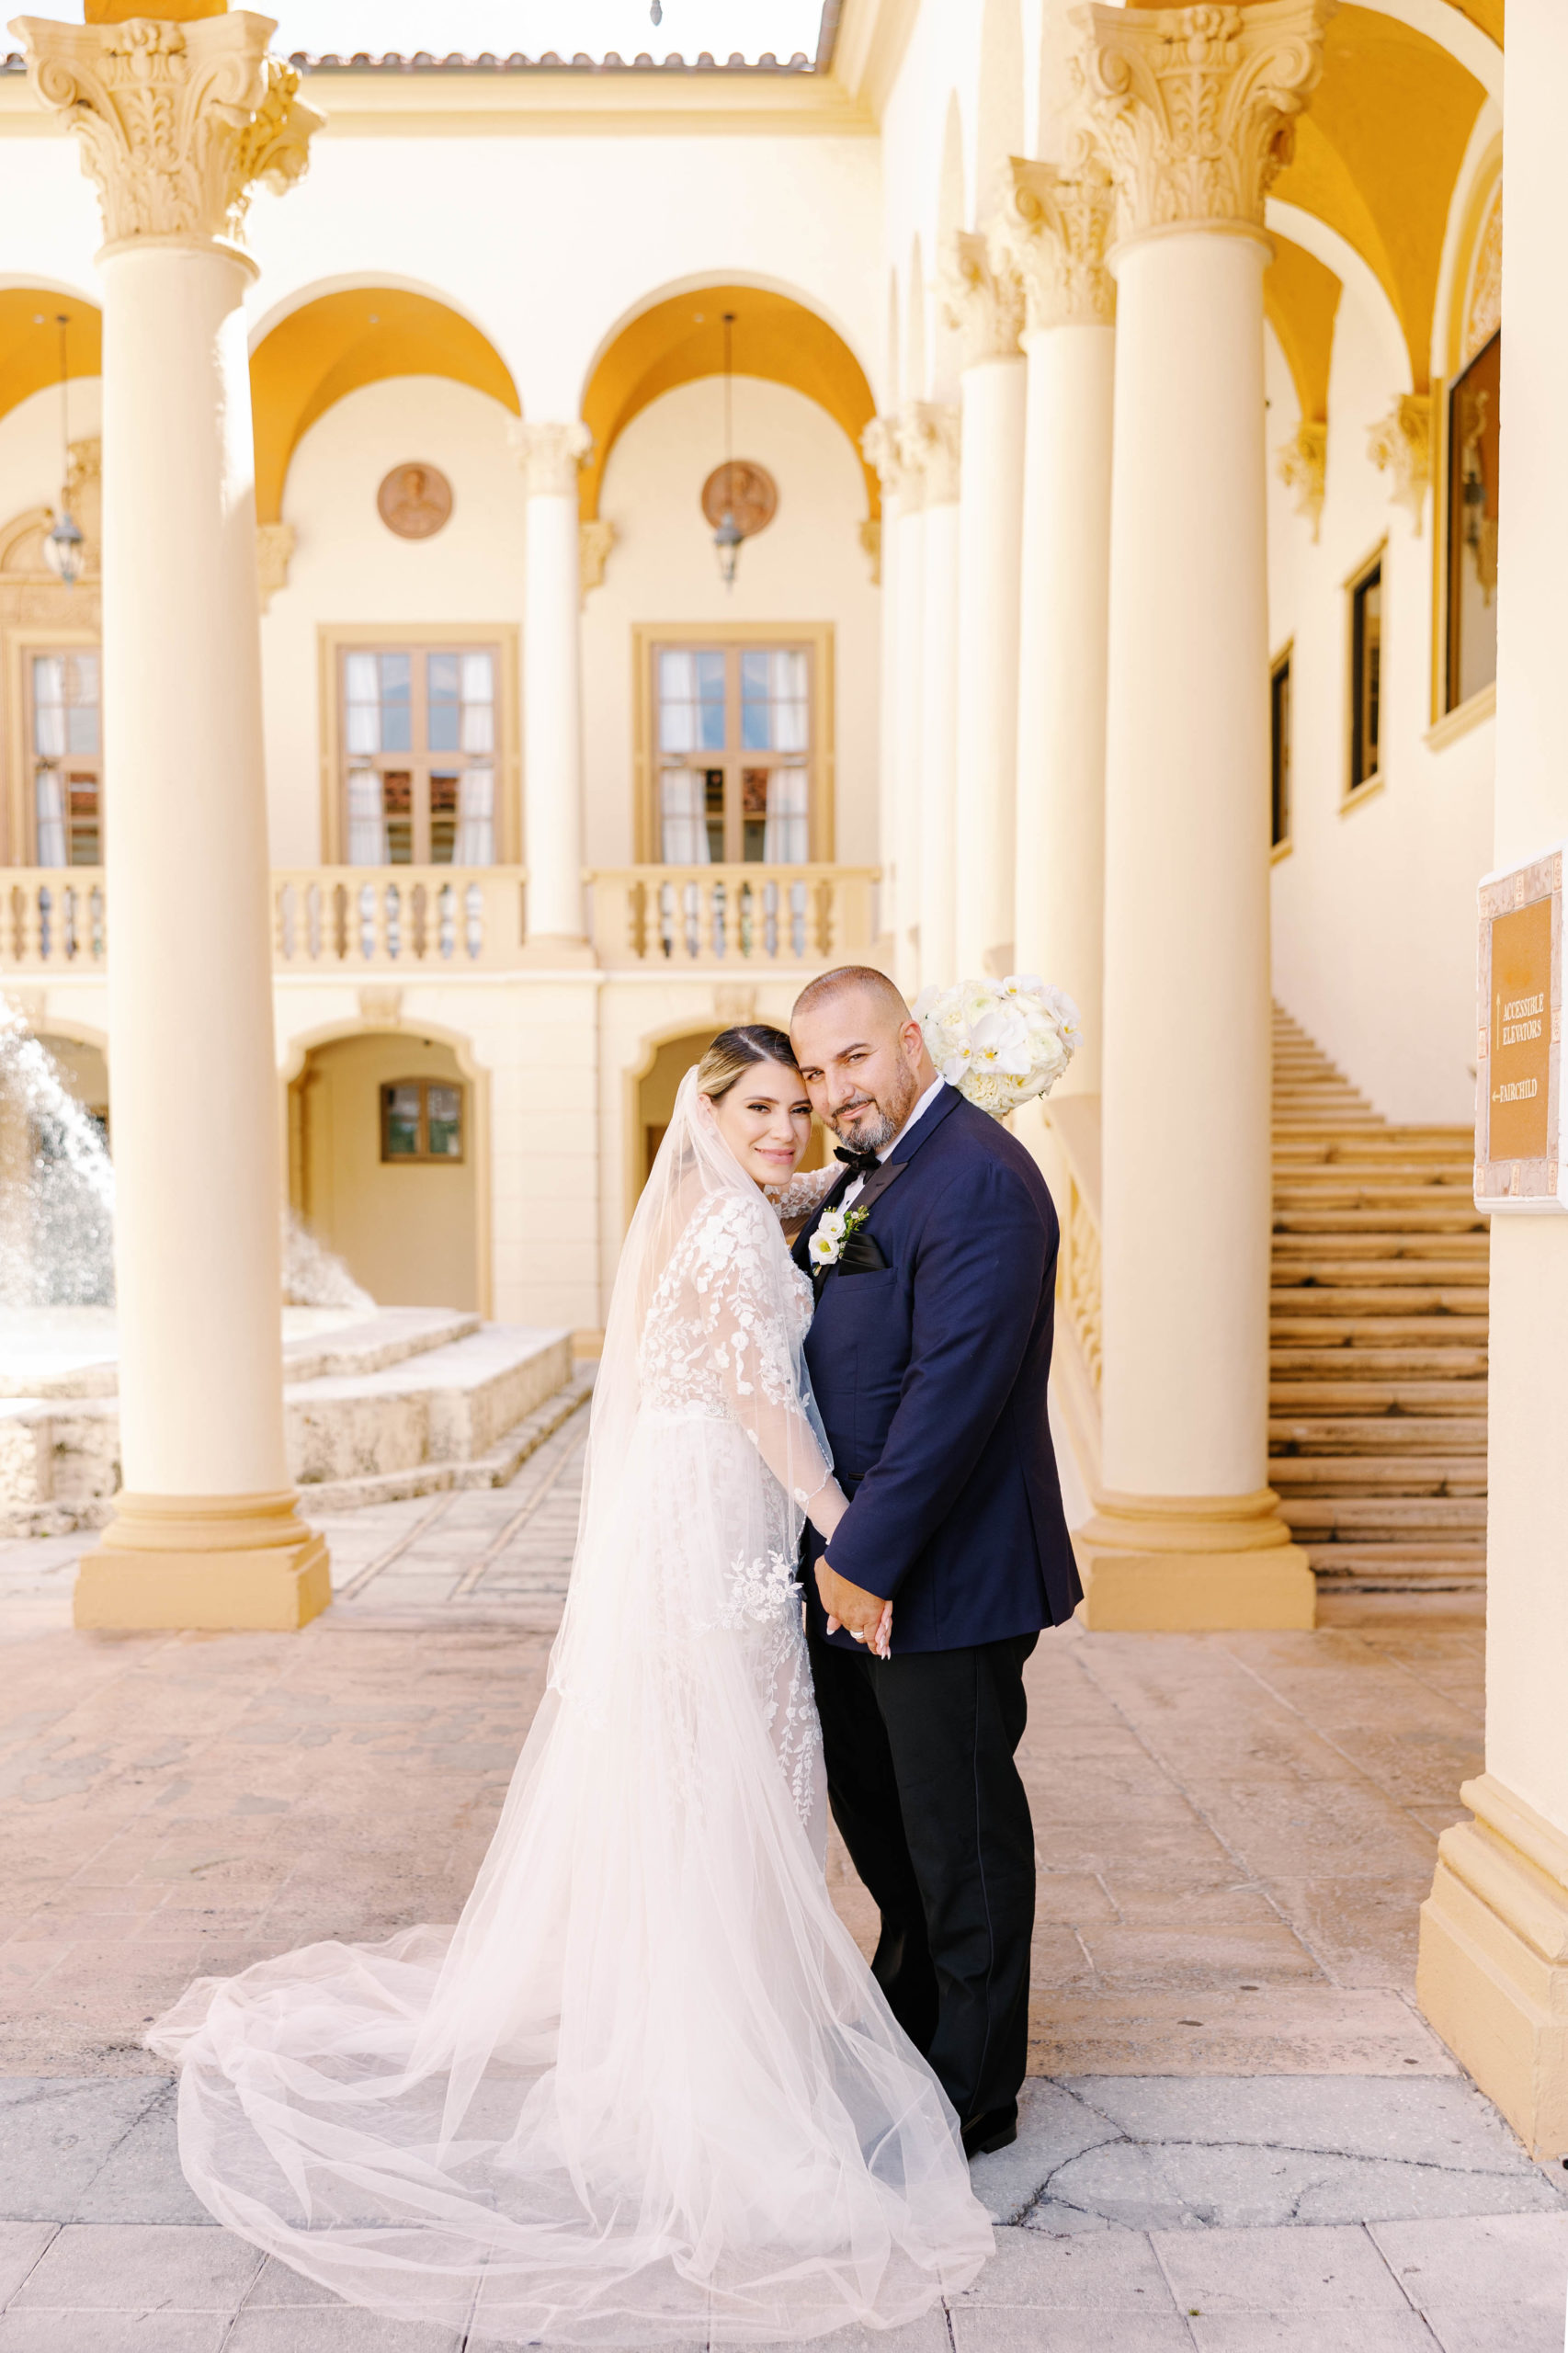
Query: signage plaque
[1519, 1163]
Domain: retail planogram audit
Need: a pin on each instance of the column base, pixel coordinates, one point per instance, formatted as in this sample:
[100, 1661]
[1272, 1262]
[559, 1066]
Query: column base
[204, 1562]
[1491, 1968]
[1184, 1564]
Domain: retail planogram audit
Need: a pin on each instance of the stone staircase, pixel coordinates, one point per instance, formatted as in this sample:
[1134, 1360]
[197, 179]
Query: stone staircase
[1377, 1430]
[405, 1400]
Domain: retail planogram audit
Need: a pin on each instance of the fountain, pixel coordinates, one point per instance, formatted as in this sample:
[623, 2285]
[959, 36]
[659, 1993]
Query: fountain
[57, 1198]
[378, 1402]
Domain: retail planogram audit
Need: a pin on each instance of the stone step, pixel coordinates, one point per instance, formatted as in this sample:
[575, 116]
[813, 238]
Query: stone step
[1377, 1365]
[1371, 1434]
[1455, 1220]
[1393, 1276]
[390, 1336]
[451, 1404]
[1380, 1332]
[1399, 1568]
[1361, 1474]
[1394, 1516]
[503, 1461]
[449, 1415]
[1391, 1299]
[1438, 1399]
[1330, 1191]
[1391, 1249]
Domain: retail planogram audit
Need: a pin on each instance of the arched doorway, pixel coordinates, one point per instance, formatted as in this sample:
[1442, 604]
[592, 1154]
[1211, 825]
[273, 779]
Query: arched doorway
[384, 1166]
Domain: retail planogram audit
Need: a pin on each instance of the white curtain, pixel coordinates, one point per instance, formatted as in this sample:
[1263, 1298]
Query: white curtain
[366, 828]
[362, 717]
[788, 694]
[786, 836]
[677, 703]
[51, 817]
[478, 703]
[476, 818]
[684, 815]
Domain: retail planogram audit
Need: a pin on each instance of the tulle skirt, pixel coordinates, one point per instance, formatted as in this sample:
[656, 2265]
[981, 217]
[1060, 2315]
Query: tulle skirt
[647, 2090]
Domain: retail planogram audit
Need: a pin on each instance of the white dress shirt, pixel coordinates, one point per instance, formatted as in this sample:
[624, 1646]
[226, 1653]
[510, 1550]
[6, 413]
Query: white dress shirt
[851, 1192]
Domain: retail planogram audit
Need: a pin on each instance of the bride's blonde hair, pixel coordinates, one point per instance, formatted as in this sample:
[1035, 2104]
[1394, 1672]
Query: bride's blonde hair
[735, 1050]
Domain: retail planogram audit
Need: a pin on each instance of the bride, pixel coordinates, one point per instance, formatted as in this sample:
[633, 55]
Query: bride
[647, 2090]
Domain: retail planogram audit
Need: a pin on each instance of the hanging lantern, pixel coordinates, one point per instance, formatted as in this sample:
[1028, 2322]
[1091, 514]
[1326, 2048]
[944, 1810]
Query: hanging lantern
[729, 535]
[63, 548]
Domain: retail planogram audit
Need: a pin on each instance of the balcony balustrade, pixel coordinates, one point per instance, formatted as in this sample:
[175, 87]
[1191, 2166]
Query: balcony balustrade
[687, 918]
[435, 919]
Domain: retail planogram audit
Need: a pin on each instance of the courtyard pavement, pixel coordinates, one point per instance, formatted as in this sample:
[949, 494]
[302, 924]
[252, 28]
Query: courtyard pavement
[1239, 2132]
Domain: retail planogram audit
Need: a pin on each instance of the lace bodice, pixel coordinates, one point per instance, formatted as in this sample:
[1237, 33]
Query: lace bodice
[713, 1344]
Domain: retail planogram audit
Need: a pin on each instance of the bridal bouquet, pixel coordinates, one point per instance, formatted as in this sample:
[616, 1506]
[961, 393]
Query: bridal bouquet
[999, 1042]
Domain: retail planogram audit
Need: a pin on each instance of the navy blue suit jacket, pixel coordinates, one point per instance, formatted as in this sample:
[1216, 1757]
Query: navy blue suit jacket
[930, 1373]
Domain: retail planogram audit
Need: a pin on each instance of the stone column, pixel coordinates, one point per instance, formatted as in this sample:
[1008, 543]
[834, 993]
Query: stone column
[909, 625]
[1054, 227]
[1192, 109]
[177, 120]
[1492, 1971]
[928, 440]
[550, 455]
[985, 301]
[879, 446]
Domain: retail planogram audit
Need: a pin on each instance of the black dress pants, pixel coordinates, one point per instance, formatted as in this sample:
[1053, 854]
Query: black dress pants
[923, 1788]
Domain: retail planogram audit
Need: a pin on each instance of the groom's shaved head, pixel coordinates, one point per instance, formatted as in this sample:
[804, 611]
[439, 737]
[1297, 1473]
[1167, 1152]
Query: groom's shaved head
[862, 977]
[861, 1055]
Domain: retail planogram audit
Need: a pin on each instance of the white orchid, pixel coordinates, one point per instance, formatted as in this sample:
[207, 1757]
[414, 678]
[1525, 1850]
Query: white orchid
[999, 1042]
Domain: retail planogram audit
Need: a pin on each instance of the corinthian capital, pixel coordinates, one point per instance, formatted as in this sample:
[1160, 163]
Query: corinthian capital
[982, 298]
[177, 121]
[928, 448]
[1052, 228]
[550, 456]
[878, 447]
[1194, 110]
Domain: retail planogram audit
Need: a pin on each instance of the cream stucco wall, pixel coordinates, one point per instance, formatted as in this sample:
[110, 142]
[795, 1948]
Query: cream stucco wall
[808, 566]
[1373, 909]
[348, 568]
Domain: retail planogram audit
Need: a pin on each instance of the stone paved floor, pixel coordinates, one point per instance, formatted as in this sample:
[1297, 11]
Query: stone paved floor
[1241, 2135]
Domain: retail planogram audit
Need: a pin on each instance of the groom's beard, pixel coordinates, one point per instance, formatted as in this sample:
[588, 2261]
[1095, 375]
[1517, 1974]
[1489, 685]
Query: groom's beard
[869, 1124]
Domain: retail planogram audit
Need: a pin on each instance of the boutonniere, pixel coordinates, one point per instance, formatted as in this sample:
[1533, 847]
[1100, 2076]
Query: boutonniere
[833, 1230]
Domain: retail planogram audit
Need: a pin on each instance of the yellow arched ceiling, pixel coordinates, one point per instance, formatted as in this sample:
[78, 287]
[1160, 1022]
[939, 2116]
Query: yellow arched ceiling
[1301, 295]
[683, 338]
[29, 341]
[341, 342]
[1487, 14]
[1376, 154]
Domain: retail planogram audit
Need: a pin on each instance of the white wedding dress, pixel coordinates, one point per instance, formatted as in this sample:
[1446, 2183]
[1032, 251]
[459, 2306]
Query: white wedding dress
[647, 2089]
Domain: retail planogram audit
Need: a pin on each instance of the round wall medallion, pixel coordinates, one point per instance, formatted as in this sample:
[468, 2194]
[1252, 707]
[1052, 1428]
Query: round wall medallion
[749, 492]
[415, 501]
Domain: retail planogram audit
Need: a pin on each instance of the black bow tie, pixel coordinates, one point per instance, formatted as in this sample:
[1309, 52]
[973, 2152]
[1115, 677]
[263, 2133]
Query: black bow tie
[861, 1163]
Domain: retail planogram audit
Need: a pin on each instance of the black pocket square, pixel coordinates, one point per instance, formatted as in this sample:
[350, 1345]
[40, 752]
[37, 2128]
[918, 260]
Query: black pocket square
[861, 1256]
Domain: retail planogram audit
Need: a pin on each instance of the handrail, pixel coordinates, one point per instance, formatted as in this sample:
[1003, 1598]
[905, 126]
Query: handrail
[1074, 1123]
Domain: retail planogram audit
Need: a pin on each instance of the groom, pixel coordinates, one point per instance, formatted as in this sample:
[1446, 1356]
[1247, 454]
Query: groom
[929, 1353]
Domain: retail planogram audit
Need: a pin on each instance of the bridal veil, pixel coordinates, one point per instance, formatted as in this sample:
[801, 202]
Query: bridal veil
[647, 2090]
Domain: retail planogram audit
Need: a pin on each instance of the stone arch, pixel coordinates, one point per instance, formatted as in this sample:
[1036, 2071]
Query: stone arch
[29, 337]
[677, 337]
[411, 1044]
[333, 341]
